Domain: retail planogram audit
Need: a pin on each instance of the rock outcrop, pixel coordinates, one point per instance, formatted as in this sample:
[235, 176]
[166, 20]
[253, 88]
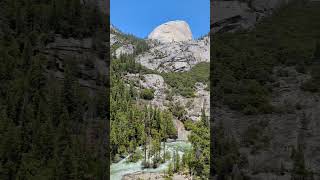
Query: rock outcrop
[124, 50]
[113, 39]
[172, 31]
[155, 82]
[195, 105]
[230, 16]
[92, 70]
[297, 122]
[176, 56]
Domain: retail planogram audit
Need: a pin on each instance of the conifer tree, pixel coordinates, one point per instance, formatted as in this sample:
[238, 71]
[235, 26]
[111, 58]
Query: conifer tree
[26, 54]
[177, 161]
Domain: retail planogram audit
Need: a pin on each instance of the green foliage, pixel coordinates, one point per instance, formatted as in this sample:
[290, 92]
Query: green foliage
[188, 124]
[147, 94]
[139, 44]
[69, 18]
[198, 159]
[183, 82]
[247, 96]
[256, 136]
[170, 169]
[136, 156]
[44, 130]
[132, 124]
[226, 152]
[177, 110]
[244, 61]
[167, 156]
[177, 162]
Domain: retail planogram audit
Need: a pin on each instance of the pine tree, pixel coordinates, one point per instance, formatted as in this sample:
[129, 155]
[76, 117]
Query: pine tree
[170, 169]
[204, 118]
[26, 54]
[36, 74]
[177, 162]
[10, 144]
[71, 91]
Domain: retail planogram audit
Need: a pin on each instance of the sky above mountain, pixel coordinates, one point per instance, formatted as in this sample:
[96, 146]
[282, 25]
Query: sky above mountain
[140, 17]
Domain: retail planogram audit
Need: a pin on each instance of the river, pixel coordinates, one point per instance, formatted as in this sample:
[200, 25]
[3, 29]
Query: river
[119, 169]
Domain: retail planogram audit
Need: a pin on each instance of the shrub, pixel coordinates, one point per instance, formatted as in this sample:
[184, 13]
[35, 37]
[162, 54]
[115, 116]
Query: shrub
[183, 82]
[247, 96]
[147, 94]
[136, 156]
[169, 96]
[177, 110]
[156, 162]
[167, 156]
[188, 124]
[170, 169]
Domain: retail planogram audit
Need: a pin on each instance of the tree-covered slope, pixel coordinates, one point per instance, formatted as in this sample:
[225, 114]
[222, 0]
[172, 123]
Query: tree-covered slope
[262, 79]
[51, 126]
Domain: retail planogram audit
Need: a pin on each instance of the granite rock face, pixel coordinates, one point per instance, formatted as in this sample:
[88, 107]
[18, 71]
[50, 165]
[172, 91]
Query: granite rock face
[172, 31]
[230, 16]
[298, 123]
[195, 105]
[92, 69]
[124, 50]
[176, 56]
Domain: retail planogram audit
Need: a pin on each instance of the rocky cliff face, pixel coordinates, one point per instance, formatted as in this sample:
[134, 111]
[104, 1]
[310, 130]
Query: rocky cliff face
[92, 69]
[295, 123]
[234, 15]
[295, 120]
[176, 56]
[172, 31]
[102, 4]
[176, 52]
[171, 50]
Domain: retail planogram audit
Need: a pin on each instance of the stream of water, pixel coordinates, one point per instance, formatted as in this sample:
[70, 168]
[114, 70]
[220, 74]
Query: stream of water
[119, 169]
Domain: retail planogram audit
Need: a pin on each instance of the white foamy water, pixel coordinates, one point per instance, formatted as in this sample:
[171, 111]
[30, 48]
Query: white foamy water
[121, 168]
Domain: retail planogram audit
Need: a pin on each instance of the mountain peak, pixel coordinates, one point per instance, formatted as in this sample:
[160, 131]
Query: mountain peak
[176, 31]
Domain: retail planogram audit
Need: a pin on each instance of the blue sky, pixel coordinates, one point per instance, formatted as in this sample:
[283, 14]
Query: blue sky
[140, 17]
